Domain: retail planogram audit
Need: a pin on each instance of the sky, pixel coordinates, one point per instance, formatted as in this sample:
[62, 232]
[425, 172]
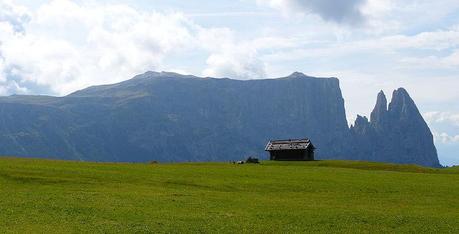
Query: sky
[55, 47]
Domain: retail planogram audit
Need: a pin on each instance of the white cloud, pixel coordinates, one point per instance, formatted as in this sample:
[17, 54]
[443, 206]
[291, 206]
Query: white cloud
[442, 117]
[64, 46]
[445, 138]
[375, 16]
[330, 10]
[445, 126]
[229, 58]
[67, 46]
[15, 15]
[395, 17]
[438, 40]
[240, 62]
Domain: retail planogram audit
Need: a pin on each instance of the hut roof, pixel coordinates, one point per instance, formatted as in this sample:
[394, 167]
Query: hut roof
[288, 144]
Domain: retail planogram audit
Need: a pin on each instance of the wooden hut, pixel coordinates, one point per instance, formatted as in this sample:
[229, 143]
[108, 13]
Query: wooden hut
[291, 150]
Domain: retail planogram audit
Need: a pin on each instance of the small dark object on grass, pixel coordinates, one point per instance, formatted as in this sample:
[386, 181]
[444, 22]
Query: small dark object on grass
[252, 160]
[153, 162]
[240, 162]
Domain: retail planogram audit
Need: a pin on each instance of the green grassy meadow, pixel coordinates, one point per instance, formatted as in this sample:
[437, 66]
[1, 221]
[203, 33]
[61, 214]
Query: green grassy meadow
[43, 196]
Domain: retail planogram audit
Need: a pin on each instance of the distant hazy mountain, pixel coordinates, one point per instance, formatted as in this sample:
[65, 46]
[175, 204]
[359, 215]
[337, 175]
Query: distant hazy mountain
[171, 117]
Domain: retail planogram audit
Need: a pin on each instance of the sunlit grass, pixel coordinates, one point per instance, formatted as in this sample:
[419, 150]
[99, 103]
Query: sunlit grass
[45, 196]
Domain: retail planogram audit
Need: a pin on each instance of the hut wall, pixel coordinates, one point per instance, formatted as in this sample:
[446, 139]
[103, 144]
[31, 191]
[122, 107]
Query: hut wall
[291, 155]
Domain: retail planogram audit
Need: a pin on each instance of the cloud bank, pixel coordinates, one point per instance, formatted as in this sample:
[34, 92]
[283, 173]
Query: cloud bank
[442, 117]
[17, 16]
[445, 138]
[64, 46]
[343, 11]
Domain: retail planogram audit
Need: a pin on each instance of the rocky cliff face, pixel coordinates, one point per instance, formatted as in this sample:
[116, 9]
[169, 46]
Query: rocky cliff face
[171, 117]
[395, 133]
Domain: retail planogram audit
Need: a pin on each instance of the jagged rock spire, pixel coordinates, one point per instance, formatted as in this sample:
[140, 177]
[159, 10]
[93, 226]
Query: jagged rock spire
[396, 133]
[402, 106]
[378, 115]
[361, 120]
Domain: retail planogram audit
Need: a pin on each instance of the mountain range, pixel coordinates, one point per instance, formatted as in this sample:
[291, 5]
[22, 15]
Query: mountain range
[170, 117]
